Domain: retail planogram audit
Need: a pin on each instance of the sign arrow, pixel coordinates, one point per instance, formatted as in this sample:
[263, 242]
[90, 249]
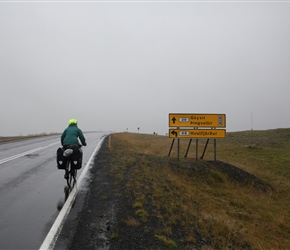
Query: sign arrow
[174, 133]
[173, 120]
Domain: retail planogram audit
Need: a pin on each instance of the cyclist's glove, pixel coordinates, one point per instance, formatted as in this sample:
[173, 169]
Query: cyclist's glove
[84, 144]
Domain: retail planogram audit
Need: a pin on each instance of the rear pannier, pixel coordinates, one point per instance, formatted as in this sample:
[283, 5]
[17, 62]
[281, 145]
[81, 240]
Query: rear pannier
[60, 160]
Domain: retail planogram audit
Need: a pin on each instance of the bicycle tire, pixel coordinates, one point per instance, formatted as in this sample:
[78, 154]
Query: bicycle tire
[75, 175]
[70, 177]
[72, 174]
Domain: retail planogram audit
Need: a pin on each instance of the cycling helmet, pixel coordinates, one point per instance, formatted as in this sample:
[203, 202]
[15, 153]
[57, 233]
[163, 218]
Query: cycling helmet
[72, 122]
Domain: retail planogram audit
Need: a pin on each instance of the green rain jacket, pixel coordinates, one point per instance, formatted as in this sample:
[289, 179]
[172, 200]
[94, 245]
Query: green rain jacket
[71, 134]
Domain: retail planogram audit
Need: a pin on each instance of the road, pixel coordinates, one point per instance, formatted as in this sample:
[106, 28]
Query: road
[32, 188]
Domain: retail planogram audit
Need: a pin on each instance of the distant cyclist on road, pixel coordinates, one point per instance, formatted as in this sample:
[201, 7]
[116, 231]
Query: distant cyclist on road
[71, 136]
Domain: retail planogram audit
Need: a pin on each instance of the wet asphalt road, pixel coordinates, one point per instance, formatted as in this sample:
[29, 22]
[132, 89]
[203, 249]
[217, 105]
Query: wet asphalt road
[31, 188]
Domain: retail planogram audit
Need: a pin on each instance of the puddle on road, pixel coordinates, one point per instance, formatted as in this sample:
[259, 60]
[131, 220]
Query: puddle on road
[32, 155]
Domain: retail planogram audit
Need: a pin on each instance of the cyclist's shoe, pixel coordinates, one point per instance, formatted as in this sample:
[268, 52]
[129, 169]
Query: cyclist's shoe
[66, 175]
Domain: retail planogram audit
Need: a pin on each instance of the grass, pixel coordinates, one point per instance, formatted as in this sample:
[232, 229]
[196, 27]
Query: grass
[167, 242]
[194, 203]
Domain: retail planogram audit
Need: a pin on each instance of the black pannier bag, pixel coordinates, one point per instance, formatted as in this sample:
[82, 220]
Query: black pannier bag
[77, 156]
[60, 160]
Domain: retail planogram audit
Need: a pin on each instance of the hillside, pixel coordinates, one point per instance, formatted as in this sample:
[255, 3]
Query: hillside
[140, 198]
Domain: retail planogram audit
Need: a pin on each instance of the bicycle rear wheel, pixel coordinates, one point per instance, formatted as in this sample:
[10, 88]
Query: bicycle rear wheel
[69, 175]
[72, 174]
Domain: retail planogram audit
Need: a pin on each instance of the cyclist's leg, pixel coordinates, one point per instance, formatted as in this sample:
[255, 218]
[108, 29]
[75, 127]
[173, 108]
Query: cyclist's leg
[80, 158]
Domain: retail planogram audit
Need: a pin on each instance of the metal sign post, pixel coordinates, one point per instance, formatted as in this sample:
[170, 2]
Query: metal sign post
[196, 150]
[214, 143]
[187, 148]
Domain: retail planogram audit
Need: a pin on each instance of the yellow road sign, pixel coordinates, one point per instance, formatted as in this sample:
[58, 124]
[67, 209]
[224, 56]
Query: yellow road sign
[197, 133]
[197, 120]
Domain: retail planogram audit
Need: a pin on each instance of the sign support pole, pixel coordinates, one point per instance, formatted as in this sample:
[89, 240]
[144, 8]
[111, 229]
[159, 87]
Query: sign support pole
[171, 147]
[187, 148]
[196, 150]
[178, 147]
[214, 150]
[204, 149]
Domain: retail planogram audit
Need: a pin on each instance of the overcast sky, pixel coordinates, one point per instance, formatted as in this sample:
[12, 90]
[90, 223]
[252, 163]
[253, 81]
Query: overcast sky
[124, 65]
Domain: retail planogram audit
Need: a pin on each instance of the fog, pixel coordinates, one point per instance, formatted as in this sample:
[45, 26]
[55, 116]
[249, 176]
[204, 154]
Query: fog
[121, 65]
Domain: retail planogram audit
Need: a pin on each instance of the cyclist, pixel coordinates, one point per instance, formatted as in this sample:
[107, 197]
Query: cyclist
[70, 136]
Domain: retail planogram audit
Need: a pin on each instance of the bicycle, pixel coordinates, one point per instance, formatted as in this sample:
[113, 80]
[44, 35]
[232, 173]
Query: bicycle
[70, 170]
[69, 159]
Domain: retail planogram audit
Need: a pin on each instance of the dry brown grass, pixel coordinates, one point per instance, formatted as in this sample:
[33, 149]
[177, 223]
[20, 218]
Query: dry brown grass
[192, 203]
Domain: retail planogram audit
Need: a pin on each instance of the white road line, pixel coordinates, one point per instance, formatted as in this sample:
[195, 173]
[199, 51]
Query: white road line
[51, 238]
[25, 153]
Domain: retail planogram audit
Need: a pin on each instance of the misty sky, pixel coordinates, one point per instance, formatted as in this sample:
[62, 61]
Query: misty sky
[118, 65]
